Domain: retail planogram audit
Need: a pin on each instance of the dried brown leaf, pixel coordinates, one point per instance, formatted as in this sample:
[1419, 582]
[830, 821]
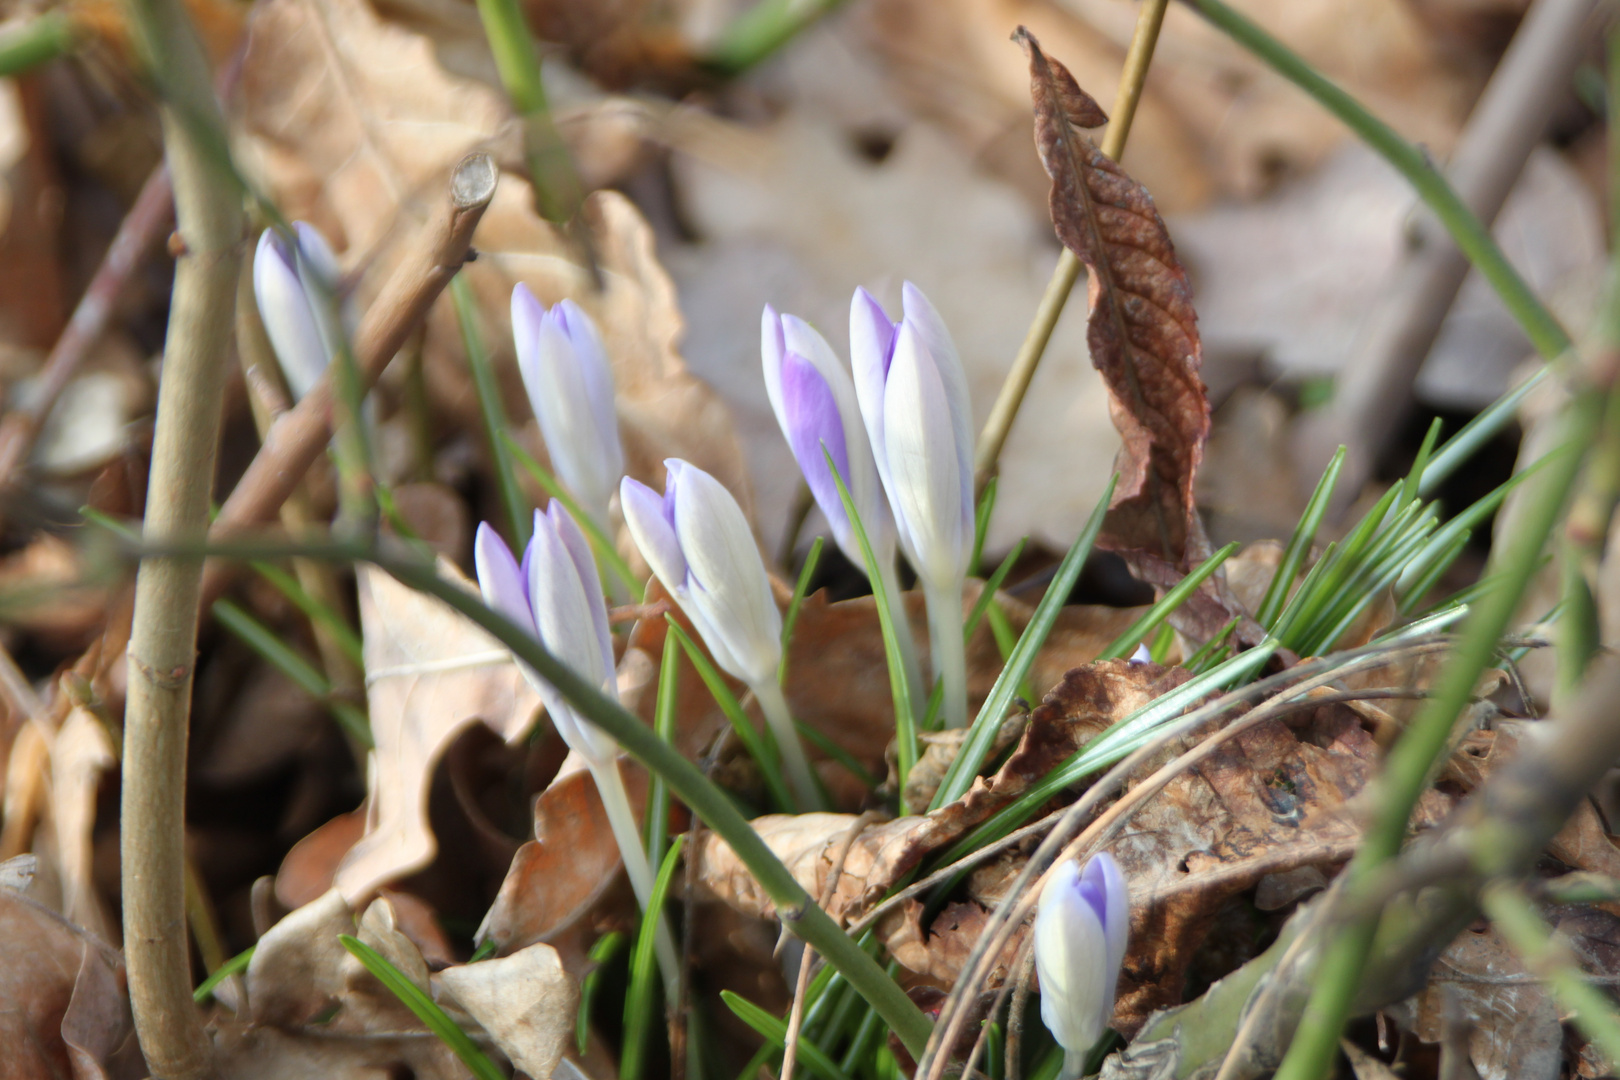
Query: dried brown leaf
[525, 1002]
[1142, 329]
[430, 672]
[80, 753]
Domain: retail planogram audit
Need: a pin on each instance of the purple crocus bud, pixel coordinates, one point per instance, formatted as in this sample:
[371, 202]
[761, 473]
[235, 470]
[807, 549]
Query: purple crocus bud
[570, 385]
[296, 288]
[1081, 928]
[814, 400]
[697, 540]
[913, 397]
[557, 595]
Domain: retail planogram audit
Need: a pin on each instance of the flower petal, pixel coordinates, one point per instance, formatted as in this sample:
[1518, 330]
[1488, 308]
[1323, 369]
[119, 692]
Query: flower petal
[1071, 959]
[288, 319]
[812, 424]
[871, 349]
[579, 552]
[598, 376]
[653, 530]
[922, 316]
[772, 348]
[725, 572]
[566, 624]
[925, 478]
[503, 587]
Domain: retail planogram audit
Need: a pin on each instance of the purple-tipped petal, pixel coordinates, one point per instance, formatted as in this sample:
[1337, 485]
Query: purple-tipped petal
[871, 348]
[1104, 871]
[579, 551]
[1071, 958]
[598, 374]
[284, 308]
[653, 530]
[925, 479]
[501, 581]
[814, 423]
[925, 320]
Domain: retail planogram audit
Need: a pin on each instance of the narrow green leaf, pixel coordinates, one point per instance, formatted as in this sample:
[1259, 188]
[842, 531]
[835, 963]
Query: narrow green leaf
[606, 948]
[905, 728]
[239, 962]
[775, 1030]
[425, 1008]
[981, 522]
[982, 732]
[1299, 545]
[991, 587]
[801, 588]
[1138, 631]
[601, 543]
[638, 1004]
[276, 652]
[751, 737]
[669, 673]
[519, 515]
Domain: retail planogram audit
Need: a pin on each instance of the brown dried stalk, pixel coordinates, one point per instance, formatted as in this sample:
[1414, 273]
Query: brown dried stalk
[163, 635]
[151, 213]
[296, 439]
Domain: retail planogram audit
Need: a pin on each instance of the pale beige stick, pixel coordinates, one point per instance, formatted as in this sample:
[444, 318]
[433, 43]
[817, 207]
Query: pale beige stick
[163, 635]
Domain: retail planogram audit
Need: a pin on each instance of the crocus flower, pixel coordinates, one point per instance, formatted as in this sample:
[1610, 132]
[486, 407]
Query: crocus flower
[814, 400]
[1081, 929]
[296, 291]
[570, 386]
[698, 542]
[913, 397]
[556, 595]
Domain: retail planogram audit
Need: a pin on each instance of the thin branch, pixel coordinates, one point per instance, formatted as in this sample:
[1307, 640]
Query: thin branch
[147, 218]
[163, 635]
[298, 437]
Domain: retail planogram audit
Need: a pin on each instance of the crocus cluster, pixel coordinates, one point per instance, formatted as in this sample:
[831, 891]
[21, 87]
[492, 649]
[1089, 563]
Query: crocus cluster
[556, 594]
[570, 386]
[901, 425]
[295, 282]
[1081, 928]
[697, 541]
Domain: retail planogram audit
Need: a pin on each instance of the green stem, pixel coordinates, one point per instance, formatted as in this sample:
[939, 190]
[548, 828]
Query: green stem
[1469, 233]
[40, 40]
[905, 641]
[517, 508]
[557, 189]
[1406, 771]
[946, 648]
[760, 31]
[799, 777]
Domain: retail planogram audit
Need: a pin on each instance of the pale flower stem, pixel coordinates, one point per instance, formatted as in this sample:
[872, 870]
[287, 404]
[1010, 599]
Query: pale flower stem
[616, 801]
[947, 649]
[799, 777]
[1074, 1064]
[889, 582]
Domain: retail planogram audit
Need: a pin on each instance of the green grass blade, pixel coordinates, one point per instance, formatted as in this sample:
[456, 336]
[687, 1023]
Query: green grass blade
[1420, 464]
[835, 752]
[1410, 595]
[991, 587]
[1299, 545]
[1138, 631]
[644, 976]
[905, 716]
[801, 588]
[425, 1008]
[239, 962]
[752, 739]
[1479, 431]
[305, 675]
[601, 543]
[602, 953]
[982, 732]
[342, 633]
[774, 1030]
[981, 522]
[1199, 660]
[519, 515]
[664, 707]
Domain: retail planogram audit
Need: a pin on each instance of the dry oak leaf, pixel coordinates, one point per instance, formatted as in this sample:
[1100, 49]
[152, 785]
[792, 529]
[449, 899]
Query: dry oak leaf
[430, 672]
[525, 1002]
[1089, 699]
[63, 1009]
[1142, 329]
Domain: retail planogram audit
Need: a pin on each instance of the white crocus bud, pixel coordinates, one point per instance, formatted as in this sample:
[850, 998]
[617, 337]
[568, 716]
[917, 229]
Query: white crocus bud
[296, 288]
[1081, 929]
[570, 386]
[698, 543]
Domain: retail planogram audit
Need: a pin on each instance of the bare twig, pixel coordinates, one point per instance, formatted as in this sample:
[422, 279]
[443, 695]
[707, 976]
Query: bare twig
[1375, 387]
[296, 439]
[163, 635]
[147, 218]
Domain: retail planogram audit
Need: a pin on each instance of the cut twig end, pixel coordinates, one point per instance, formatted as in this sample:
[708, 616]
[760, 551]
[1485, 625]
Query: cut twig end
[473, 182]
